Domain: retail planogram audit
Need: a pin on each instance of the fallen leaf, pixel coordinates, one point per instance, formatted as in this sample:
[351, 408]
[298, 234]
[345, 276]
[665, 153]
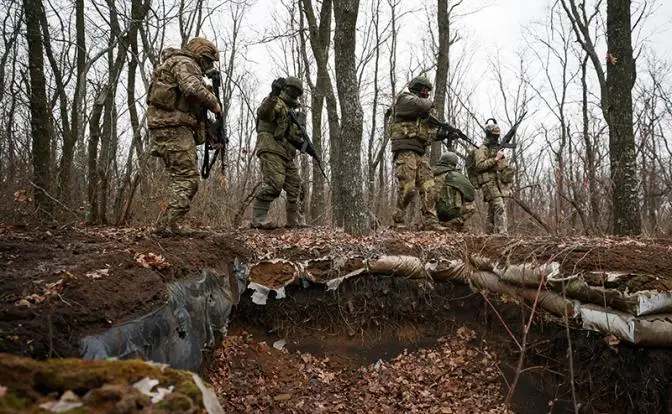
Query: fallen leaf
[97, 274]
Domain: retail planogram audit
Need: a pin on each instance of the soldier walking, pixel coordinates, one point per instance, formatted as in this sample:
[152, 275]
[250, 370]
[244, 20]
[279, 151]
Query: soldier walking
[177, 100]
[277, 141]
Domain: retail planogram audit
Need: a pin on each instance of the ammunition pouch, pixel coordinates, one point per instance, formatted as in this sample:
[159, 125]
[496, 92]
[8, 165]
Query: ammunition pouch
[506, 175]
[162, 95]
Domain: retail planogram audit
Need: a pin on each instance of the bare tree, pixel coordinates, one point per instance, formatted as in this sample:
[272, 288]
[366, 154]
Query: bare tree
[443, 16]
[39, 113]
[349, 204]
[616, 101]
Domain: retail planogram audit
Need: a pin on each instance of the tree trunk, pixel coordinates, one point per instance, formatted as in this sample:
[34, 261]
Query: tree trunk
[622, 157]
[319, 43]
[39, 113]
[442, 67]
[94, 139]
[346, 153]
[590, 152]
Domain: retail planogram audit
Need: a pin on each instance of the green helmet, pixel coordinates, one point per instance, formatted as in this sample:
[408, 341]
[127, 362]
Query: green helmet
[419, 84]
[449, 159]
[295, 82]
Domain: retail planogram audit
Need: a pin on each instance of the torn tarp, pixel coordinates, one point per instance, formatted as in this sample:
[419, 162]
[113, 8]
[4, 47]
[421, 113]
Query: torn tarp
[196, 313]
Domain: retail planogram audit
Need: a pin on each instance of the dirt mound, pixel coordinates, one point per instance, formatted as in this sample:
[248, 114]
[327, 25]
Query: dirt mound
[59, 284]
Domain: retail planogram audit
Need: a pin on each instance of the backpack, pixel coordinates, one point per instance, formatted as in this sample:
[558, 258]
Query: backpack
[470, 167]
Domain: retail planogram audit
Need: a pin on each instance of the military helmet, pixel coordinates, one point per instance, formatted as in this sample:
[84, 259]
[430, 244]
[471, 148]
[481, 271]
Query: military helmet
[419, 83]
[449, 159]
[492, 130]
[295, 82]
[202, 47]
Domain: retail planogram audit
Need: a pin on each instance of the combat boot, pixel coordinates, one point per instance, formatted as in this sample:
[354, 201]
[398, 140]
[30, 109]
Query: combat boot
[259, 213]
[294, 217]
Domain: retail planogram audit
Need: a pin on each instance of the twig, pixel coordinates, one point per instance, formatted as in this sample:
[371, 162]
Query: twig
[521, 358]
[570, 352]
[502, 321]
[57, 201]
[244, 204]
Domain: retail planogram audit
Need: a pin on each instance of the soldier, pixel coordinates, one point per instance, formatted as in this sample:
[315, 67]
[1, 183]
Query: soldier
[410, 135]
[177, 102]
[277, 142]
[455, 194]
[494, 176]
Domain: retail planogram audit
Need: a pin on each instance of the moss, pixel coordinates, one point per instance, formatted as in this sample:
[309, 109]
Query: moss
[102, 385]
[190, 389]
[176, 402]
[11, 403]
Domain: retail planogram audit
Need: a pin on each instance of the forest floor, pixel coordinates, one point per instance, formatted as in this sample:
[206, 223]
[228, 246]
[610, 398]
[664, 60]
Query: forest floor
[61, 283]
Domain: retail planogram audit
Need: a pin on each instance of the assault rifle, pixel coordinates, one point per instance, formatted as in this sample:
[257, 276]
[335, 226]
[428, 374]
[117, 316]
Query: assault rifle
[216, 133]
[449, 132]
[307, 145]
[508, 140]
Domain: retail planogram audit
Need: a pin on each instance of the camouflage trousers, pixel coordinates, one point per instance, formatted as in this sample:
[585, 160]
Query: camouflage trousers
[413, 171]
[496, 220]
[460, 216]
[177, 148]
[280, 174]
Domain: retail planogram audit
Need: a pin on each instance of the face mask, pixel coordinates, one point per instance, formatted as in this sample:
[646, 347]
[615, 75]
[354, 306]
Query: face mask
[207, 65]
[293, 93]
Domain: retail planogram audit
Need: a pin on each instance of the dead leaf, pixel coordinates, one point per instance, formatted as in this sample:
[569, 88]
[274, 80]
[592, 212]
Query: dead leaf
[97, 274]
[22, 196]
[611, 58]
[151, 260]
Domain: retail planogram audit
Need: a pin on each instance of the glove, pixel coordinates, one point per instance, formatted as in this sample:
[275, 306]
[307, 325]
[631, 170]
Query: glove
[277, 86]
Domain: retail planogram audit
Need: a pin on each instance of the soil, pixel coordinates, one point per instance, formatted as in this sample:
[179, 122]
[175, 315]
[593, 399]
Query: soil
[61, 283]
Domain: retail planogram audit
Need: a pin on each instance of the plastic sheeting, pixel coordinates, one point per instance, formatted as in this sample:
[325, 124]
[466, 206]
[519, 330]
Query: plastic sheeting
[652, 330]
[197, 312]
[642, 318]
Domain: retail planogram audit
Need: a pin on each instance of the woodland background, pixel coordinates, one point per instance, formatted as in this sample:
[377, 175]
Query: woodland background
[592, 157]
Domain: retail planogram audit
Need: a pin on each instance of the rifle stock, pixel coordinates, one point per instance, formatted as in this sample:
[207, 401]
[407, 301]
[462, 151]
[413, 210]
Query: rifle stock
[307, 146]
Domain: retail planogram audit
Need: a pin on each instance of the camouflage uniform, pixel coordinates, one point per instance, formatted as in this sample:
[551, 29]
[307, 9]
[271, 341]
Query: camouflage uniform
[455, 194]
[410, 136]
[494, 177]
[176, 100]
[277, 141]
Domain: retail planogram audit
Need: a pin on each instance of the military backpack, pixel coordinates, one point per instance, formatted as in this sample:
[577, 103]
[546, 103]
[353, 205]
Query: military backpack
[470, 167]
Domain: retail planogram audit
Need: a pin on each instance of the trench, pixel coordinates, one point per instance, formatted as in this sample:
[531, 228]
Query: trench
[359, 311]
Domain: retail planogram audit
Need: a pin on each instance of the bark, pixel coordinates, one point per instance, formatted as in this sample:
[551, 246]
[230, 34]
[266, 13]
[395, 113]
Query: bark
[319, 44]
[442, 67]
[346, 152]
[620, 81]
[39, 112]
[94, 139]
[591, 160]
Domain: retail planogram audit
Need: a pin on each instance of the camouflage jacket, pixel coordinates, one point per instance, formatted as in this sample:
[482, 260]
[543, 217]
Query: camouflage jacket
[177, 93]
[276, 133]
[488, 169]
[408, 129]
